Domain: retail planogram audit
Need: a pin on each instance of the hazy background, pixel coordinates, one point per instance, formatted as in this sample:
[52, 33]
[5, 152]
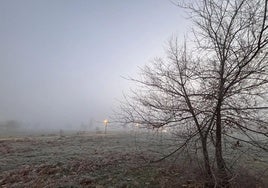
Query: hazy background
[62, 61]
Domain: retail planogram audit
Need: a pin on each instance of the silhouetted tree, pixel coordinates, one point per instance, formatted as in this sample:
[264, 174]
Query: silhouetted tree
[217, 88]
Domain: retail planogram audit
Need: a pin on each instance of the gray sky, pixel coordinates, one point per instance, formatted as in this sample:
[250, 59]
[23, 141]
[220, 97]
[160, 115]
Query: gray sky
[61, 61]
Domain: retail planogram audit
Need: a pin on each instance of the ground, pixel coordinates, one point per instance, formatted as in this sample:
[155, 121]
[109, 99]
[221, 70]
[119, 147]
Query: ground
[92, 160]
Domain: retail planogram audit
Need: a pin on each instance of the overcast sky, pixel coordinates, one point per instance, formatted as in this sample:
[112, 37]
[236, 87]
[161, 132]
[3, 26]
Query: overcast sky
[62, 61]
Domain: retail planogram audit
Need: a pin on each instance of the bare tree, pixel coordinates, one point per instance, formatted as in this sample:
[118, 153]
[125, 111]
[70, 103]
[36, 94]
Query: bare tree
[234, 35]
[218, 88]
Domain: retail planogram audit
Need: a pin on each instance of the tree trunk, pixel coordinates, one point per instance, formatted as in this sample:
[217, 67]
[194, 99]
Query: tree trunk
[206, 158]
[221, 167]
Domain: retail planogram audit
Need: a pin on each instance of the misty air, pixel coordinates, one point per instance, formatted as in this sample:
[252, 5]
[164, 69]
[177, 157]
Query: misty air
[156, 93]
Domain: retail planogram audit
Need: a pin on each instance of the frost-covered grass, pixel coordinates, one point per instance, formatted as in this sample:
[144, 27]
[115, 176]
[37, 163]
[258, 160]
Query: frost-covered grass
[118, 159]
[75, 160]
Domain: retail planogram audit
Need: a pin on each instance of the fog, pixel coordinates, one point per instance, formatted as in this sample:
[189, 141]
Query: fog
[62, 62]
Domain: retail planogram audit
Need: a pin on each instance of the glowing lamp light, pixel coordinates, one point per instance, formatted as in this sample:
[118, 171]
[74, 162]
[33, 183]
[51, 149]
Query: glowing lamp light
[105, 122]
[164, 130]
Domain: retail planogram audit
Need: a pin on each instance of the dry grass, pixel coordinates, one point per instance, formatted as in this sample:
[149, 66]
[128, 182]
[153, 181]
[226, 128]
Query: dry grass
[97, 160]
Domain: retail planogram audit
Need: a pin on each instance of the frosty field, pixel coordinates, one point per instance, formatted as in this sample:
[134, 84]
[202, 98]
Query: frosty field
[118, 159]
[87, 160]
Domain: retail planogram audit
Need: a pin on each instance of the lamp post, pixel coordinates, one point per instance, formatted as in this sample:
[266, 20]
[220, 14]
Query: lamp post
[105, 122]
[137, 125]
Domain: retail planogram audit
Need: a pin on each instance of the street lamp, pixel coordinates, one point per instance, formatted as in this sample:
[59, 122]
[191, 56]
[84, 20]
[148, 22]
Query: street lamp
[105, 122]
[137, 125]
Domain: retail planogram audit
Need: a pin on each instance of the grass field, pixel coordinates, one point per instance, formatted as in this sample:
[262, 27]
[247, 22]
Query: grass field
[118, 159]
